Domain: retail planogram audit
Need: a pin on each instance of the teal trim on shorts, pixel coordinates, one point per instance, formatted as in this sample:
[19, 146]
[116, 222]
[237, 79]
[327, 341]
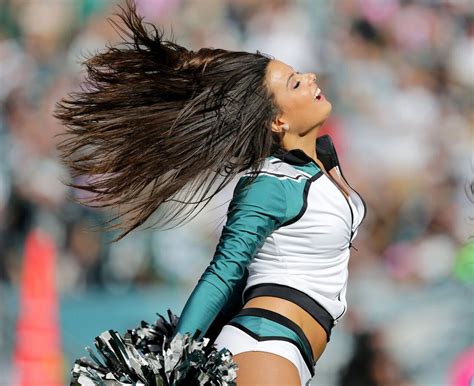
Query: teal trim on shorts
[268, 328]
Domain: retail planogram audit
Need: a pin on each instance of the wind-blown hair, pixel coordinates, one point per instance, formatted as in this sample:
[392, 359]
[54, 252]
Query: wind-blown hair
[157, 126]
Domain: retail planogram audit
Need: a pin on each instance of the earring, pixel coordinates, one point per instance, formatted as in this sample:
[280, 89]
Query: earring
[285, 127]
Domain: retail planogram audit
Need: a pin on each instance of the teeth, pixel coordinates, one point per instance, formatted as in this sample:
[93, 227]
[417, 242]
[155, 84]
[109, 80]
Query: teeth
[318, 91]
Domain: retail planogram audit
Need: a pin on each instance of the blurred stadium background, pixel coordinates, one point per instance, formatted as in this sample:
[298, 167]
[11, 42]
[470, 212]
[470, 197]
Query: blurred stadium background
[400, 76]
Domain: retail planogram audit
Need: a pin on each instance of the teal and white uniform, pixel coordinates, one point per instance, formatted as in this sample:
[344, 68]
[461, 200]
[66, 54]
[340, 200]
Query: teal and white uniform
[291, 228]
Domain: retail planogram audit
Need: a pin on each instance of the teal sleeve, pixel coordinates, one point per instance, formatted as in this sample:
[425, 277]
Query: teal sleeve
[255, 211]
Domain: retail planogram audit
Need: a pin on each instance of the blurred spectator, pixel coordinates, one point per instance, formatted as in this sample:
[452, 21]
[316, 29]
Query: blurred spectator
[371, 364]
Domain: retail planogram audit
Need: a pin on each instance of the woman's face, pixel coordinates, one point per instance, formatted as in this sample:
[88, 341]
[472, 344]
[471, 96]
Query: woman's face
[301, 108]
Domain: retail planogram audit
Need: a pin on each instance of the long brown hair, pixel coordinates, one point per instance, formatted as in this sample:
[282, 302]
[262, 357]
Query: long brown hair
[157, 127]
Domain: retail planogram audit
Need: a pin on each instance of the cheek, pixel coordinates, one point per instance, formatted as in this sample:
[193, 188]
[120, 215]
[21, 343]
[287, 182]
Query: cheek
[296, 102]
[301, 105]
[301, 110]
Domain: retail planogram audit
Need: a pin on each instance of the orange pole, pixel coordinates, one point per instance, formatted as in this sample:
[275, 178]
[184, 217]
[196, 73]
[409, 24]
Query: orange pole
[37, 355]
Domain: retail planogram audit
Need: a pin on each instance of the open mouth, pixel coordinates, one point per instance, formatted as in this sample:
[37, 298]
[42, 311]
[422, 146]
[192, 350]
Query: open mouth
[317, 94]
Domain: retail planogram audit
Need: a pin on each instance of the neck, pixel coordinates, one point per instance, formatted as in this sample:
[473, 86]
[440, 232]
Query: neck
[305, 142]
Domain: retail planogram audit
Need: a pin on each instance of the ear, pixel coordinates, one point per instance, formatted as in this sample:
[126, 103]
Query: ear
[279, 125]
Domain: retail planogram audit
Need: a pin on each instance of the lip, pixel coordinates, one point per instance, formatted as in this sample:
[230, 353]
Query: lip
[321, 96]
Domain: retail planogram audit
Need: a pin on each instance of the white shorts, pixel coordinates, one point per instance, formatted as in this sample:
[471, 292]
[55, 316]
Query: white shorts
[237, 341]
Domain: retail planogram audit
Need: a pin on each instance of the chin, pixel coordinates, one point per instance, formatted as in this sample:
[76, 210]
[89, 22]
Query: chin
[324, 112]
[318, 114]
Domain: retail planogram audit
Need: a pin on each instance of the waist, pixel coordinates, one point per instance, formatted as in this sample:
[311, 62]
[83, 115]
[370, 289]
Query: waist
[313, 319]
[326, 302]
[262, 325]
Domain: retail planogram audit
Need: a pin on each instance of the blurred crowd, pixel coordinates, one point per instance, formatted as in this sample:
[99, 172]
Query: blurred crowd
[399, 75]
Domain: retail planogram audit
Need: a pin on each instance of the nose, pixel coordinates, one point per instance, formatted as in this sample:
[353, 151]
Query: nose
[311, 77]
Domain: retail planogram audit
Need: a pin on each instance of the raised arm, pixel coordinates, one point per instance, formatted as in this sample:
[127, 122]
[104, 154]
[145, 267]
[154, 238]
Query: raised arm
[255, 211]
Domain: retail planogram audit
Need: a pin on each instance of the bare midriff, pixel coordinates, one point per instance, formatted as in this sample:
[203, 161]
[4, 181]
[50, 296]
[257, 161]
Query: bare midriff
[315, 333]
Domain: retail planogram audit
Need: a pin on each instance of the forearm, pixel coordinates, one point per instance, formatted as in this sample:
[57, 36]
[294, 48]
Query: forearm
[200, 310]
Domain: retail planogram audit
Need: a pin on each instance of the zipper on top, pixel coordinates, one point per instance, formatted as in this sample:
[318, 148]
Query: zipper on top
[347, 200]
[334, 160]
[361, 198]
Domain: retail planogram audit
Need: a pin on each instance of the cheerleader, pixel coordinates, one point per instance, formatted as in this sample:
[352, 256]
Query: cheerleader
[162, 129]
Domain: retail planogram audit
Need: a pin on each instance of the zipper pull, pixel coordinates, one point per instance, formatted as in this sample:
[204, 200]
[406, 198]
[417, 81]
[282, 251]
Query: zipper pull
[351, 246]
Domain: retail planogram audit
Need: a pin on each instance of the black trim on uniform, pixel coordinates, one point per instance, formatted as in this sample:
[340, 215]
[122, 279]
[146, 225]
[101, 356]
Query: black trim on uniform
[327, 154]
[361, 198]
[324, 148]
[279, 318]
[293, 157]
[283, 338]
[279, 175]
[309, 181]
[284, 321]
[342, 313]
[316, 310]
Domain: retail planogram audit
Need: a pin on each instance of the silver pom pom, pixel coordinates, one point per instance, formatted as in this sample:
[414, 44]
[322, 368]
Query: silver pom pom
[149, 356]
